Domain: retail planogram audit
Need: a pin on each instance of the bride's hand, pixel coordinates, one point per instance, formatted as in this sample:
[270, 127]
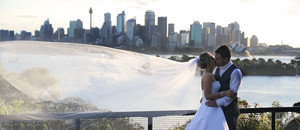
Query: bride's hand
[229, 93]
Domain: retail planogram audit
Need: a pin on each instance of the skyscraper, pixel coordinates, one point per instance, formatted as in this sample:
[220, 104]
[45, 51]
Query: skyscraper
[235, 33]
[156, 40]
[196, 35]
[74, 25]
[183, 38]
[171, 28]
[172, 41]
[59, 34]
[253, 42]
[211, 26]
[4, 35]
[130, 27]
[149, 22]
[46, 31]
[210, 35]
[121, 23]
[106, 30]
[162, 29]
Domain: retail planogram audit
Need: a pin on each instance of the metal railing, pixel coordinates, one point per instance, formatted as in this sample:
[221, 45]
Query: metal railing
[148, 114]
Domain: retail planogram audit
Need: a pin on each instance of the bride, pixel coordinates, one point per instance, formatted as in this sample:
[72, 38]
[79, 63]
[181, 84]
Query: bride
[209, 118]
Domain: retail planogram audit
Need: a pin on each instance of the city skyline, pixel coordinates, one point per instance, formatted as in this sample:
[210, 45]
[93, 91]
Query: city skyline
[272, 23]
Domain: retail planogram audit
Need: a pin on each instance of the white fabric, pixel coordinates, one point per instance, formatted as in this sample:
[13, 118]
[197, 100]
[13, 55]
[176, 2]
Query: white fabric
[111, 79]
[235, 83]
[209, 118]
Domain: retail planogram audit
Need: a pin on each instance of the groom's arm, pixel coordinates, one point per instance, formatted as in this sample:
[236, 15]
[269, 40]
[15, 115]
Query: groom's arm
[235, 82]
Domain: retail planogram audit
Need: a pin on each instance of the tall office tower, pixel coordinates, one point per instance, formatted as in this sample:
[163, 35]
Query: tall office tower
[74, 25]
[121, 23]
[94, 34]
[162, 29]
[4, 35]
[196, 35]
[218, 35]
[37, 34]
[149, 22]
[171, 28]
[130, 33]
[243, 40]
[183, 38]
[11, 35]
[25, 35]
[226, 35]
[139, 30]
[46, 31]
[59, 34]
[234, 26]
[235, 33]
[156, 40]
[209, 35]
[172, 41]
[236, 37]
[211, 26]
[106, 30]
[90, 11]
[107, 17]
[71, 29]
[253, 42]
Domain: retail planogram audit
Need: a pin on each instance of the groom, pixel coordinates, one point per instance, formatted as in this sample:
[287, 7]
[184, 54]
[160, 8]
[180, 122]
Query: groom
[229, 77]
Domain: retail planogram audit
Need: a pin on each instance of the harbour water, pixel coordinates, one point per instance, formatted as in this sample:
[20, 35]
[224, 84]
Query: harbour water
[264, 90]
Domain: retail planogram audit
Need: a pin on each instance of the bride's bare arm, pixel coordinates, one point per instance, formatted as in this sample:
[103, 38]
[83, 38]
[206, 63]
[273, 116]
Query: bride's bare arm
[206, 83]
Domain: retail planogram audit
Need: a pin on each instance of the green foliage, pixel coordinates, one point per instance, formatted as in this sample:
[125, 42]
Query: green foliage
[35, 125]
[183, 126]
[258, 66]
[298, 121]
[262, 67]
[254, 121]
[109, 124]
[183, 58]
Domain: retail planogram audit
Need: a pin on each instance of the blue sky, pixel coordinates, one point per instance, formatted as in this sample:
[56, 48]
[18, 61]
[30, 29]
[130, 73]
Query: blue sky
[272, 21]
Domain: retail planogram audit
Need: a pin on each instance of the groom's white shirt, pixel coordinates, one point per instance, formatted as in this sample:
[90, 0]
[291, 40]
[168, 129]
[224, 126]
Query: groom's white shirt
[235, 82]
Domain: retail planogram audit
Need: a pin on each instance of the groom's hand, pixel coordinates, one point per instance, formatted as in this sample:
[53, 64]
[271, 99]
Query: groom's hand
[211, 103]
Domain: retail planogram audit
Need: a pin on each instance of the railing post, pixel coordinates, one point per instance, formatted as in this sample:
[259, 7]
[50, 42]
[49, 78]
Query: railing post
[150, 123]
[77, 124]
[273, 120]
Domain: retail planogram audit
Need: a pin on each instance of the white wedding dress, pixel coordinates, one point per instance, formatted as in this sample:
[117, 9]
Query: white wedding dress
[209, 118]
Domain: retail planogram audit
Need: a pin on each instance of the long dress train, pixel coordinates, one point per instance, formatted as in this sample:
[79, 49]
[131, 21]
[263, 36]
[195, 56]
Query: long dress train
[209, 118]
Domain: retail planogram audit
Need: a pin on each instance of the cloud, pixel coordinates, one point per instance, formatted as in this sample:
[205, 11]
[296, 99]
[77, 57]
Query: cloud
[249, 1]
[141, 3]
[28, 16]
[293, 9]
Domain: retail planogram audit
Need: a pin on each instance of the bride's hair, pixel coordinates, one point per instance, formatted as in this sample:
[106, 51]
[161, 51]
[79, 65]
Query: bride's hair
[204, 59]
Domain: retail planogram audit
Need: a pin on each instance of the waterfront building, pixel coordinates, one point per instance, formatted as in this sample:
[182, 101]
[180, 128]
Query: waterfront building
[121, 23]
[46, 31]
[4, 35]
[183, 39]
[106, 30]
[162, 29]
[254, 42]
[196, 35]
[130, 33]
[171, 28]
[74, 25]
[149, 22]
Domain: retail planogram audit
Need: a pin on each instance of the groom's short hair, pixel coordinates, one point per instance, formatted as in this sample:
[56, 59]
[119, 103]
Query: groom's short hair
[224, 51]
